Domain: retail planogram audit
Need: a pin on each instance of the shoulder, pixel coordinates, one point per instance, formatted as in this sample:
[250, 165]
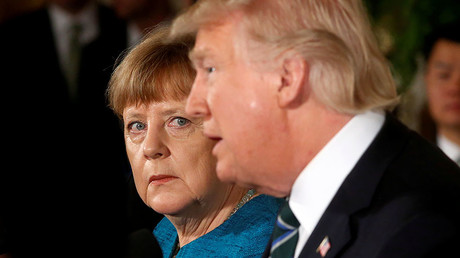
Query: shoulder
[166, 235]
[258, 215]
[245, 234]
[415, 204]
[420, 168]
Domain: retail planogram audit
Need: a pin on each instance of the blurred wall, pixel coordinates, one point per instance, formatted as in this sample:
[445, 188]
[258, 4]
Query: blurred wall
[11, 8]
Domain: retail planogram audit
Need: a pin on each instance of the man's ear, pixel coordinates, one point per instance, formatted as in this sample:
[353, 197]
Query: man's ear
[293, 88]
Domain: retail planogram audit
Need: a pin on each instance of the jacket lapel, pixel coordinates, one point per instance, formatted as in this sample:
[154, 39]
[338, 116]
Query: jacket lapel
[356, 191]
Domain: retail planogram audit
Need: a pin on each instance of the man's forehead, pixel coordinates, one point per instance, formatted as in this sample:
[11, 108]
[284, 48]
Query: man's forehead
[210, 40]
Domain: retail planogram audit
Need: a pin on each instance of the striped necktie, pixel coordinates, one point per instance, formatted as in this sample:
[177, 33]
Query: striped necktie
[285, 234]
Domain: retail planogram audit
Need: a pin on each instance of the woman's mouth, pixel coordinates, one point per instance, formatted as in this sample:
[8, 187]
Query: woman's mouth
[160, 179]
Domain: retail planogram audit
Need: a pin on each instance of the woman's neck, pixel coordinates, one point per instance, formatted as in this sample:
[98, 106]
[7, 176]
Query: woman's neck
[207, 215]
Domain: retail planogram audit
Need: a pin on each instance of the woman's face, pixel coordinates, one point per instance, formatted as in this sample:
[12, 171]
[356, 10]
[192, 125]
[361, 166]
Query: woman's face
[171, 159]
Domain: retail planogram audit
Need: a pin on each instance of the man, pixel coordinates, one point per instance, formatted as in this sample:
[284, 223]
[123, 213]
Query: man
[442, 79]
[66, 196]
[294, 93]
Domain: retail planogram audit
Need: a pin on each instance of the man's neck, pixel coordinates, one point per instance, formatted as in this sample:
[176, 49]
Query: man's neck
[451, 133]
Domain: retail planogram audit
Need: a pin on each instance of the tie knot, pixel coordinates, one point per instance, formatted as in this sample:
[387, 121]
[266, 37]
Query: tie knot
[76, 29]
[287, 216]
[285, 234]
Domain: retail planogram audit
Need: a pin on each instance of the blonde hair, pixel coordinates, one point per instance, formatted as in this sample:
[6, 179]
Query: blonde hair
[153, 71]
[347, 73]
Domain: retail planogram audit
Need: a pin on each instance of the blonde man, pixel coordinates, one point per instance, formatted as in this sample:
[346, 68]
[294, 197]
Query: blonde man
[295, 92]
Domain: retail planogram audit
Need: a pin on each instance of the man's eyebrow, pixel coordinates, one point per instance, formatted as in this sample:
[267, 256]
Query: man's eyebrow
[198, 55]
[441, 65]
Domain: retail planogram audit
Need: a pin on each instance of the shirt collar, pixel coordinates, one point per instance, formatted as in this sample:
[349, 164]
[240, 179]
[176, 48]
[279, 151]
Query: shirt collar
[451, 149]
[317, 184]
[61, 21]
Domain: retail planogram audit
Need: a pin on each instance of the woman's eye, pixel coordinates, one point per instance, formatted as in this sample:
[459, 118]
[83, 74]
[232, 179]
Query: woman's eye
[136, 126]
[179, 122]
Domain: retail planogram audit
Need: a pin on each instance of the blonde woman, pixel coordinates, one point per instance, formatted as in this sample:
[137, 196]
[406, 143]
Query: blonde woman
[172, 162]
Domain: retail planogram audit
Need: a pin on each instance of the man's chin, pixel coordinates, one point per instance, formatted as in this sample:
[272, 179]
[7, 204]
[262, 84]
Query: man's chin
[224, 174]
[271, 192]
[229, 176]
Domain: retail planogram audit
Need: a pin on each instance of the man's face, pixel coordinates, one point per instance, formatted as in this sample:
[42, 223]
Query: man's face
[239, 105]
[443, 84]
[73, 6]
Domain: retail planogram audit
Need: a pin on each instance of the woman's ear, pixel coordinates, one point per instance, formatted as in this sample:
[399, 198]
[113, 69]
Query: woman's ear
[294, 87]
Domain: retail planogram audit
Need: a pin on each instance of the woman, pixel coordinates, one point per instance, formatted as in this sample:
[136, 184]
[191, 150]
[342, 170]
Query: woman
[172, 161]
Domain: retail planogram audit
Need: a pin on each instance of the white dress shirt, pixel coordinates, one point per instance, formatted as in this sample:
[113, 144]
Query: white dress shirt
[451, 149]
[61, 23]
[134, 34]
[317, 184]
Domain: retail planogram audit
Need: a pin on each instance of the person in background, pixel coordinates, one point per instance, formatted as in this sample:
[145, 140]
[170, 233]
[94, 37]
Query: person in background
[297, 96]
[442, 78]
[64, 187]
[172, 163]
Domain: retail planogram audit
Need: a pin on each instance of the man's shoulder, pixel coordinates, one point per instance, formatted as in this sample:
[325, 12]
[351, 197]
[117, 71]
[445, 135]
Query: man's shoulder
[415, 207]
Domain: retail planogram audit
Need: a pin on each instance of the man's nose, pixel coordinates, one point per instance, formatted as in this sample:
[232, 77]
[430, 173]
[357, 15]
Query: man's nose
[197, 105]
[453, 87]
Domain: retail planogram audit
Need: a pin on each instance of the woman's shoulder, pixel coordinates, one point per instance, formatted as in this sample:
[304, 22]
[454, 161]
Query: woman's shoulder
[258, 216]
[245, 234]
[263, 203]
[166, 235]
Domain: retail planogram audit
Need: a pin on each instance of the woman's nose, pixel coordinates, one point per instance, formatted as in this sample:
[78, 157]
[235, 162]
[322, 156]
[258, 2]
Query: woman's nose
[154, 146]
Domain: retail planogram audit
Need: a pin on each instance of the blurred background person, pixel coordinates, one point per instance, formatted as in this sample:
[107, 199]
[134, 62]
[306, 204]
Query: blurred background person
[172, 160]
[65, 189]
[58, 58]
[441, 119]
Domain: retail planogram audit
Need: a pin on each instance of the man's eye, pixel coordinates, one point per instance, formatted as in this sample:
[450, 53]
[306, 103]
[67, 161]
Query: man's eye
[179, 122]
[210, 69]
[443, 76]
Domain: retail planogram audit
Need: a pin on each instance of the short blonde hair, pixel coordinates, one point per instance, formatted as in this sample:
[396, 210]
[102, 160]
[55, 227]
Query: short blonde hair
[348, 73]
[153, 71]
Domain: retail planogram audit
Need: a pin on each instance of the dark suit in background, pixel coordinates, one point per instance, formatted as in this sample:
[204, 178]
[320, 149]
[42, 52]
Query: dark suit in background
[64, 190]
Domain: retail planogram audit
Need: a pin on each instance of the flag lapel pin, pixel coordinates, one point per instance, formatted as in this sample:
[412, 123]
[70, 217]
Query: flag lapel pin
[324, 247]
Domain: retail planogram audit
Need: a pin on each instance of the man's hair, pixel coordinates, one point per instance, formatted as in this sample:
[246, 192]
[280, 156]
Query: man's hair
[348, 73]
[153, 71]
[449, 31]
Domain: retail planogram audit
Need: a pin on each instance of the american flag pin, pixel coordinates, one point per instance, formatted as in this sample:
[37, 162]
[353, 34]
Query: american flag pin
[324, 247]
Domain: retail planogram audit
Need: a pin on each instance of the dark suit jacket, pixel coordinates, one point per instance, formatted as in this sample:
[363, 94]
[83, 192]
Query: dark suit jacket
[402, 199]
[64, 188]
